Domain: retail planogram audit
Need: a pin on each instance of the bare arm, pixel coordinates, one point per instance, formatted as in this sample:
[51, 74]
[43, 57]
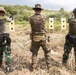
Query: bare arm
[8, 19]
[4, 18]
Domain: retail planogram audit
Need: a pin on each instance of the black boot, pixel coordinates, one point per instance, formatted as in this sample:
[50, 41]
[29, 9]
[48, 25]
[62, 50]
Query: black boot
[75, 67]
[64, 63]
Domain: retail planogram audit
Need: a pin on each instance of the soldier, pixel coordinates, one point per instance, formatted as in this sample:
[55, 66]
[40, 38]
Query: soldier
[38, 36]
[70, 40]
[5, 40]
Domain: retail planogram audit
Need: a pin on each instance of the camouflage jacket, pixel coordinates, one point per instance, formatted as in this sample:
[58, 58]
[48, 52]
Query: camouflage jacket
[72, 26]
[3, 20]
[37, 23]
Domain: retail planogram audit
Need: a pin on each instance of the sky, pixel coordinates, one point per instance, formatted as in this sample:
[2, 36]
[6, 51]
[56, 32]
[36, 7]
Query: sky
[46, 4]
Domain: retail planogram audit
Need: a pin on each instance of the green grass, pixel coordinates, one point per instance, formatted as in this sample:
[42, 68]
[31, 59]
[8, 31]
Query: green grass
[24, 23]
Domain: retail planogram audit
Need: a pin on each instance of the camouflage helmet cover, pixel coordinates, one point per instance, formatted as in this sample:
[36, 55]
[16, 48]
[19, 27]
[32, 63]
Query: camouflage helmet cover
[2, 9]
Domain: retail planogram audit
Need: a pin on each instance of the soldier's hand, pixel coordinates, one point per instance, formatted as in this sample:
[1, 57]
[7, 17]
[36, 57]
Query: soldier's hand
[11, 17]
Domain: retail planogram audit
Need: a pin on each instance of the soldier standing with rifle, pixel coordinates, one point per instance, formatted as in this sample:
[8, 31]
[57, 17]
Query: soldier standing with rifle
[5, 40]
[38, 36]
[70, 40]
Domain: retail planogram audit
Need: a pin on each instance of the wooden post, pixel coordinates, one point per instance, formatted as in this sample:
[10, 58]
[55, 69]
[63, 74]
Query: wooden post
[63, 24]
[11, 26]
[51, 24]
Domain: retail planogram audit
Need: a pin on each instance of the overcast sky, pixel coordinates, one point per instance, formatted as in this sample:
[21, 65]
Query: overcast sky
[46, 4]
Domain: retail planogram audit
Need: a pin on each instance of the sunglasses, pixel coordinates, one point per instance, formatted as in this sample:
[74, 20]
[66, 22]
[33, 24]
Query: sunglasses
[2, 12]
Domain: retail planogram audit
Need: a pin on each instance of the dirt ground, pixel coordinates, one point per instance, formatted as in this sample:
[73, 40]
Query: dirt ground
[21, 55]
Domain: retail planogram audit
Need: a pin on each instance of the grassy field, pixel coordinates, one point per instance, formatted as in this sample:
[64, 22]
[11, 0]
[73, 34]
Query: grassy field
[21, 55]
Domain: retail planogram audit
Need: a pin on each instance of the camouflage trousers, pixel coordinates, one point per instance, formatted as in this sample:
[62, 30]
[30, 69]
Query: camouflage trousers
[5, 42]
[7, 51]
[34, 49]
[67, 48]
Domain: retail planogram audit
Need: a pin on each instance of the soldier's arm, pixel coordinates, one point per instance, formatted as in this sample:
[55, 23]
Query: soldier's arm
[5, 18]
[2, 18]
[8, 19]
[31, 21]
[44, 21]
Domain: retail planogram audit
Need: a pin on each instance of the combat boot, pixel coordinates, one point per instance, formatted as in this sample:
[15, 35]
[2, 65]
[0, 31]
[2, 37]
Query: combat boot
[9, 69]
[34, 63]
[64, 63]
[33, 67]
[75, 67]
[48, 68]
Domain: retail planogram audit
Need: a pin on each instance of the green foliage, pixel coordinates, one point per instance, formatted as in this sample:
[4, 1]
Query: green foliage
[58, 14]
[22, 13]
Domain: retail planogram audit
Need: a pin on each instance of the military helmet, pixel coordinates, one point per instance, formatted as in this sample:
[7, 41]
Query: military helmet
[37, 6]
[74, 11]
[2, 9]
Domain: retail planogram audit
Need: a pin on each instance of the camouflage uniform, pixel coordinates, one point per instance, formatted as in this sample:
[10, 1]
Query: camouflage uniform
[70, 40]
[5, 40]
[37, 23]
